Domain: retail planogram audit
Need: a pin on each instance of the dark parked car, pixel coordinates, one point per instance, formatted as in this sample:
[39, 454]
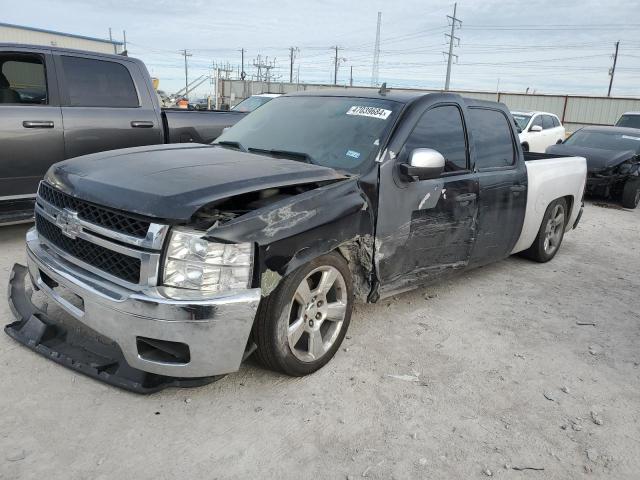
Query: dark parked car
[186, 259]
[613, 161]
[107, 102]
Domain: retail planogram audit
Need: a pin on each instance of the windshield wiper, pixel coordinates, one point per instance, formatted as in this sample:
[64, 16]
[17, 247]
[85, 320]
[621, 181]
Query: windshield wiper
[232, 144]
[305, 157]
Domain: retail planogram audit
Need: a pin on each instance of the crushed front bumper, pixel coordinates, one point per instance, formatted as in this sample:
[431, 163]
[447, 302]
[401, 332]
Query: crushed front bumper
[140, 341]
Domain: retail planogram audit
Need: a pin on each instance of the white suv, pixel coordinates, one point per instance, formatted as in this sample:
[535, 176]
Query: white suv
[538, 130]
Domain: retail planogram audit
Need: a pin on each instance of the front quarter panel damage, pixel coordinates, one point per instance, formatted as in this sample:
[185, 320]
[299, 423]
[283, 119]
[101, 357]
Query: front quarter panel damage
[291, 232]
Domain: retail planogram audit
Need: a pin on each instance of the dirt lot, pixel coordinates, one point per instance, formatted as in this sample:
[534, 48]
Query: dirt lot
[476, 377]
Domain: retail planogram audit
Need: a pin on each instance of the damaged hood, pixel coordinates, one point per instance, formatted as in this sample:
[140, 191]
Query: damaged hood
[174, 181]
[598, 159]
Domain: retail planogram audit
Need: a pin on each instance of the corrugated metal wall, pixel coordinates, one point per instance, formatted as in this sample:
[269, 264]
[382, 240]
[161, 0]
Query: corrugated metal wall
[574, 111]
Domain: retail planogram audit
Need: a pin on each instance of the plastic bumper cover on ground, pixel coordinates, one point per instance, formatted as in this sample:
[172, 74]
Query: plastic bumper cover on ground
[111, 334]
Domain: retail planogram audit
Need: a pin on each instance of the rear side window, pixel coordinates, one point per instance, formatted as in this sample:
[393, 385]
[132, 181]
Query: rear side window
[441, 129]
[22, 79]
[492, 137]
[98, 83]
[556, 122]
[547, 122]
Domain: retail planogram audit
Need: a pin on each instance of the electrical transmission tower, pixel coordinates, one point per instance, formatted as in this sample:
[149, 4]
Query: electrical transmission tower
[292, 57]
[455, 23]
[376, 55]
[264, 68]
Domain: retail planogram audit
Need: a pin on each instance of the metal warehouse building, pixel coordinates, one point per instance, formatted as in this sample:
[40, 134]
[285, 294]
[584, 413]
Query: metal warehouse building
[38, 36]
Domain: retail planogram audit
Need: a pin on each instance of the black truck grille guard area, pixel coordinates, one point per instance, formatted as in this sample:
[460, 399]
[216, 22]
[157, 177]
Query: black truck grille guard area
[114, 263]
[93, 213]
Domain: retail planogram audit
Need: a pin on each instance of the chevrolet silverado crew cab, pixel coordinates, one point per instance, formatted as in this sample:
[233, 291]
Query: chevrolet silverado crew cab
[168, 265]
[57, 103]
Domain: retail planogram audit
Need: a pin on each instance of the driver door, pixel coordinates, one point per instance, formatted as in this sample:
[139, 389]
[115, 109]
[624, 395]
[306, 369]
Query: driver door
[426, 229]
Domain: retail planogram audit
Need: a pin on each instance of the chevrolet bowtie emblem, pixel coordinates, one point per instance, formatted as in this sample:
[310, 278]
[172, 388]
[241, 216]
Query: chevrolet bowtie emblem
[68, 222]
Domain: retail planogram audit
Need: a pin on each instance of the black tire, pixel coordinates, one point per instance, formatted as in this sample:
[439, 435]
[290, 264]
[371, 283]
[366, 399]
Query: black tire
[274, 319]
[525, 147]
[539, 251]
[631, 193]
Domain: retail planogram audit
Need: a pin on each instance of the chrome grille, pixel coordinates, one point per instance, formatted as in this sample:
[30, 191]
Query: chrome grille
[114, 263]
[78, 232]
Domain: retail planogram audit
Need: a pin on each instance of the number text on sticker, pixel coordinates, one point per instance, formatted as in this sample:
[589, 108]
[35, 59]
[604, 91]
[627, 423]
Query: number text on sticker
[373, 112]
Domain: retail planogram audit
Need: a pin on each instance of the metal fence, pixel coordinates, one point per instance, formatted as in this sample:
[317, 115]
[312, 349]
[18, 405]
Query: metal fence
[575, 111]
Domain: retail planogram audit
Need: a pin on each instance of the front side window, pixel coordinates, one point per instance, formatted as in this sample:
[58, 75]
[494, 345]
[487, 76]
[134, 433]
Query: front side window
[22, 79]
[344, 133]
[547, 122]
[441, 129]
[492, 137]
[537, 122]
[98, 83]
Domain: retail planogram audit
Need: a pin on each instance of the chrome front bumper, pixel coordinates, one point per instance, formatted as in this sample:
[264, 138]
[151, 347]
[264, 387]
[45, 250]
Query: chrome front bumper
[215, 328]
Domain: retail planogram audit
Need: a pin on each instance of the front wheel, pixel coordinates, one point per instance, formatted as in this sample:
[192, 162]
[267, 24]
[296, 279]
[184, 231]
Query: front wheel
[631, 193]
[551, 233]
[301, 325]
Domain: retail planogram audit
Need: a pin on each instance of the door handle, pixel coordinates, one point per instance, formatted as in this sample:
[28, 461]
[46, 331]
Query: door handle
[466, 198]
[141, 124]
[518, 188]
[37, 124]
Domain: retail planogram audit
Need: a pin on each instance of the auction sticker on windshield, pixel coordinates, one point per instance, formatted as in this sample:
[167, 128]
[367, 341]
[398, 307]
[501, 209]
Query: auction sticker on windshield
[373, 112]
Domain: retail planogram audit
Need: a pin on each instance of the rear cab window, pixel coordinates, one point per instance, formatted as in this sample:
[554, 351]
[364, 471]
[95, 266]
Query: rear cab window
[98, 83]
[494, 145]
[23, 79]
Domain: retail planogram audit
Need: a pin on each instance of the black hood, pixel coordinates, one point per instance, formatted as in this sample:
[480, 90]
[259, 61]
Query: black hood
[174, 181]
[598, 159]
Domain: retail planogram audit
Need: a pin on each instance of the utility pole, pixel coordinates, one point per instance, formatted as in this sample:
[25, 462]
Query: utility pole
[351, 77]
[376, 55]
[292, 57]
[124, 38]
[612, 71]
[186, 73]
[336, 63]
[243, 74]
[455, 23]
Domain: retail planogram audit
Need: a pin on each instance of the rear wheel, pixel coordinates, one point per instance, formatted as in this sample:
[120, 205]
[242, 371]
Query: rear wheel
[631, 193]
[301, 325]
[551, 233]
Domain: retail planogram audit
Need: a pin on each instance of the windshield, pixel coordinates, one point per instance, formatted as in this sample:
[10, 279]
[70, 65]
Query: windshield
[338, 132]
[630, 121]
[605, 140]
[521, 120]
[251, 103]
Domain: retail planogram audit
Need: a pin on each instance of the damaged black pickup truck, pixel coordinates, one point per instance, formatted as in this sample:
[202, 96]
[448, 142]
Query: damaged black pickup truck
[171, 264]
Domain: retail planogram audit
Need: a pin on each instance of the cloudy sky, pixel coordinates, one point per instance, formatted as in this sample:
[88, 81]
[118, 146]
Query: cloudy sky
[544, 45]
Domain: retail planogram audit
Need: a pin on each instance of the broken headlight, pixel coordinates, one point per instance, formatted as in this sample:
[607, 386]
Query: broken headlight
[195, 263]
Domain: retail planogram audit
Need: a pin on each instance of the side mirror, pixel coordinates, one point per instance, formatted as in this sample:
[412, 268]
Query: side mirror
[424, 164]
[536, 128]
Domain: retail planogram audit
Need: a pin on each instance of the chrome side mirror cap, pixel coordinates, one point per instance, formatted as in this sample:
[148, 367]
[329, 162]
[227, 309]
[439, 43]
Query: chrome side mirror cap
[424, 164]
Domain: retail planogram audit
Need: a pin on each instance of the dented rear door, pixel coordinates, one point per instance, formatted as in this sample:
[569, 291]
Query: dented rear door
[426, 229]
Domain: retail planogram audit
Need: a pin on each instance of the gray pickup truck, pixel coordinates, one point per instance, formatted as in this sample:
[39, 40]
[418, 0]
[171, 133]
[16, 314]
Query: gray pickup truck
[57, 103]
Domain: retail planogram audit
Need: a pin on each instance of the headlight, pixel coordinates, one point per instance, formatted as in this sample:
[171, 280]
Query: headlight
[195, 263]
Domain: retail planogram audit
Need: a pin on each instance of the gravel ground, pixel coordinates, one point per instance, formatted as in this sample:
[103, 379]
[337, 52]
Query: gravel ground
[478, 376]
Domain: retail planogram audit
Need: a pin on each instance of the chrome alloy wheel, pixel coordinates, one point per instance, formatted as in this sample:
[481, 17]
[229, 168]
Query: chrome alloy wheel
[316, 313]
[554, 230]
